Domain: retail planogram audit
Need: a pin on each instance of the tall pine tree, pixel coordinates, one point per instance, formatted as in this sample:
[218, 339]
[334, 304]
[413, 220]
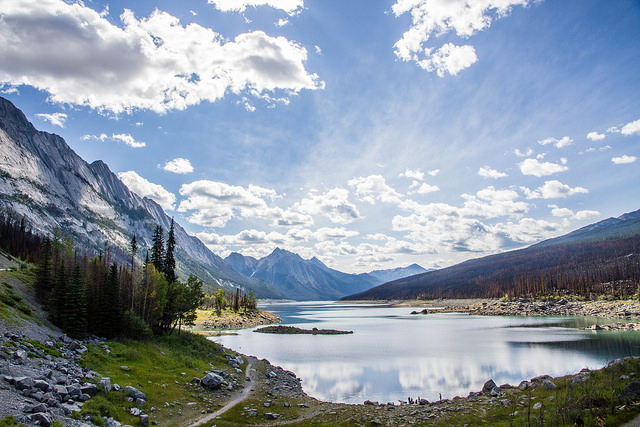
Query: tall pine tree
[169, 259]
[157, 250]
[44, 277]
[74, 315]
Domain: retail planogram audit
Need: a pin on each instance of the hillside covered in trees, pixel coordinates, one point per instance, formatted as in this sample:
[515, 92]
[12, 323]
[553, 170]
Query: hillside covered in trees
[85, 293]
[602, 258]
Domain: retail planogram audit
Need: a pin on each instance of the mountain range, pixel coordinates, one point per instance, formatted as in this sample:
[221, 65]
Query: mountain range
[301, 279]
[597, 258]
[44, 181]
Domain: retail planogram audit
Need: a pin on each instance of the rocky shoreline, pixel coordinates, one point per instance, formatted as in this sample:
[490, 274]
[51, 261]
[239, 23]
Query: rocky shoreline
[238, 320]
[621, 309]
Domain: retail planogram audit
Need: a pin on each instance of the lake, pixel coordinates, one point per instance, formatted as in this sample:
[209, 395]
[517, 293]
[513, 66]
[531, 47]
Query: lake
[392, 354]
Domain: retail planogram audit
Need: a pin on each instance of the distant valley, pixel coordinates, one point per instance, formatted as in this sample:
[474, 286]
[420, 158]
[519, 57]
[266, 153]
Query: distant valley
[301, 279]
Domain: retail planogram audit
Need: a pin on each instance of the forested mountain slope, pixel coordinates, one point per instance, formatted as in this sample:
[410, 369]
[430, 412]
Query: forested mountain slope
[602, 258]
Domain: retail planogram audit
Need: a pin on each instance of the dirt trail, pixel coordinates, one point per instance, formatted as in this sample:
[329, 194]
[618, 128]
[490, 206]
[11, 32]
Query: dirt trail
[233, 402]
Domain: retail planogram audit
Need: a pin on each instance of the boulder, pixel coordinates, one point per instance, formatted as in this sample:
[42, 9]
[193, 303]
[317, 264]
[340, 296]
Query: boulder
[271, 415]
[630, 392]
[105, 383]
[488, 386]
[41, 385]
[144, 420]
[90, 389]
[134, 392]
[212, 381]
[549, 385]
[24, 383]
[40, 418]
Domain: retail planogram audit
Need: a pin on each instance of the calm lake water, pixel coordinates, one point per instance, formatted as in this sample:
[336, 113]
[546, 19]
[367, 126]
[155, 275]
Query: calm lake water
[392, 354]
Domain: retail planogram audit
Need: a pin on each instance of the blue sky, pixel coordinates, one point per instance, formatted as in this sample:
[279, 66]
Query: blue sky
[371, 134]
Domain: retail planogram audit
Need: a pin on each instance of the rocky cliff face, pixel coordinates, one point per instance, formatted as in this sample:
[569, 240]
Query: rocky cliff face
[44, 180]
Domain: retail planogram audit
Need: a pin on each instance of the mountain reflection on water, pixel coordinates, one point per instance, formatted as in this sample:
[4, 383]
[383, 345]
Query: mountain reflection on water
[392, 354]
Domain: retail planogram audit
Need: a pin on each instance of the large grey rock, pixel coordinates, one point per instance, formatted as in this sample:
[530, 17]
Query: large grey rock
[630, 392]
[24, 383]
[40, 418]
[549, 385]
[134, 392]
[90, 389]
[488, 386]
[105, 383]
[212, 381]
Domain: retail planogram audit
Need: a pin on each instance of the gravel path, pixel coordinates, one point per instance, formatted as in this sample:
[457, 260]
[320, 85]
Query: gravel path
[246, 392]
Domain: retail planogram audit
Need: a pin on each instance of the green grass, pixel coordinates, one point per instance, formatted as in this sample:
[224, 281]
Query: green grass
[162, 368]
[10, 300]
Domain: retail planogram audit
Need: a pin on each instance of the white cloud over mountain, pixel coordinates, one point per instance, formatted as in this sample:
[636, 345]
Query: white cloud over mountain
[144, 188]
[56, 119]
[155, 63]
[119, 137]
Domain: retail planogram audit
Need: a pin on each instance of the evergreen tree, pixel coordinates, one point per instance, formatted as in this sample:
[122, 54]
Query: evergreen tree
[74, 316]
[113, 308]
[157, 250]
[44, 281]
[134, 249]
[169, 259]
[57, 300]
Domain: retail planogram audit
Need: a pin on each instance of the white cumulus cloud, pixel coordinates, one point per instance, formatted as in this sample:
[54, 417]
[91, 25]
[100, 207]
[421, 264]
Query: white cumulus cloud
[116, 137]
[288, 6]
[179, 166]
[631, 128]
[552, 190]
[155, 63]
[624, 159]
[487, 172]
[216, 203]
[334, 204]
[144, 188]
[414, 174]
[449, 59]
[595, 136]
[374, 187]
[56, 119]
[438, 17]
[559, 143]
[537, 168]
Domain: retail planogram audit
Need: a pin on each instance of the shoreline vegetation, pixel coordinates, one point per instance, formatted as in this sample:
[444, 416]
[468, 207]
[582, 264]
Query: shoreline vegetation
[289, 330]
[209, 321]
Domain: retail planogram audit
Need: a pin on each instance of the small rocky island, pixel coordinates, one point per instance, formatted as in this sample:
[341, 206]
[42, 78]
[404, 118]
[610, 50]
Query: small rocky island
[278, 329]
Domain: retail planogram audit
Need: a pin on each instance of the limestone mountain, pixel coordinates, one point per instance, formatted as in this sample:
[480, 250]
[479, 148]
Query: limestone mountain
[43, 180]
[301, 279]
